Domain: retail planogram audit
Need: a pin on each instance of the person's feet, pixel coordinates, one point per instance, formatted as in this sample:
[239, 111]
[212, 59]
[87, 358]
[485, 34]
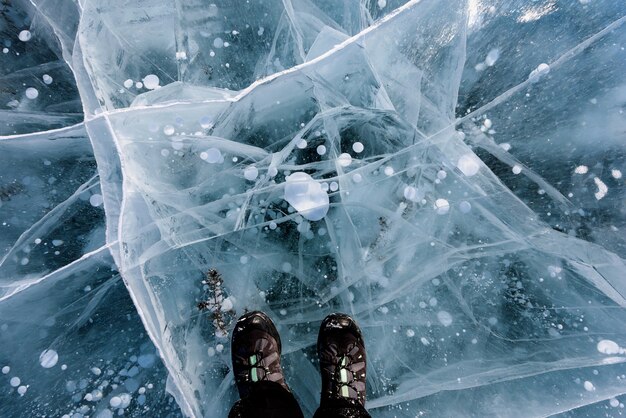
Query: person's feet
[341, 352]
[256, 353]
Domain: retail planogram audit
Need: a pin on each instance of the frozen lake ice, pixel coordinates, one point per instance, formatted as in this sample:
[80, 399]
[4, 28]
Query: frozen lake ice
[447, 172]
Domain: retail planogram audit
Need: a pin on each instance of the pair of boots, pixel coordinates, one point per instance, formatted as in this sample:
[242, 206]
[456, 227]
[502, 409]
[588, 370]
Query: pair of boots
[259, 376]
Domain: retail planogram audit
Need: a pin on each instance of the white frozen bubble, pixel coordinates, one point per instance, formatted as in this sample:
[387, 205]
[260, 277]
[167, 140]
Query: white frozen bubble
[169, 130]
[602, 188]
[125, 400]
[492, 57]
[227, 304]
[358, 147]
[465, 206]
[581, 169]
[218, 42]
[6, 370]
[537, 73]
[151, 81]
[554, 270]
[442, 206]
[614, 402]
[105, 413]
[205, 122]
[481, 66]
[357, 178]
[412, 194]
[344, 159]
[616, 174]
[48, 358]
[47, 79]
[212, 155]
[15, 381]
[505, 146]
[115, 402]
[306, 196]
[334, 186]
[589, 387]
[321, 150]
[469, 164]
[128, 83]
[389, 171]
[608, 347]
[32, 93]
[445, 318]
[302, 144]
[25, 35]
[146, 360]
[410, 333]
[96, 200]
[251, 173]
[22, 390]
[516, 169]
[273, 225]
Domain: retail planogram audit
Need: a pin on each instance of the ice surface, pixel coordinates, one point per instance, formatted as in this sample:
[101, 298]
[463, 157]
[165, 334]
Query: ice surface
[416, 164]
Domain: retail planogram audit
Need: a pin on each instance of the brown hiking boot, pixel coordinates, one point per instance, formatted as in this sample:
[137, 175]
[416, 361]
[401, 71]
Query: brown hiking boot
[341, 352]
[256, 353]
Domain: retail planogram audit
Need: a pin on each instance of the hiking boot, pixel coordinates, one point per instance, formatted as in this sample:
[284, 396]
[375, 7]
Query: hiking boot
[256, 353]
[341, 352]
